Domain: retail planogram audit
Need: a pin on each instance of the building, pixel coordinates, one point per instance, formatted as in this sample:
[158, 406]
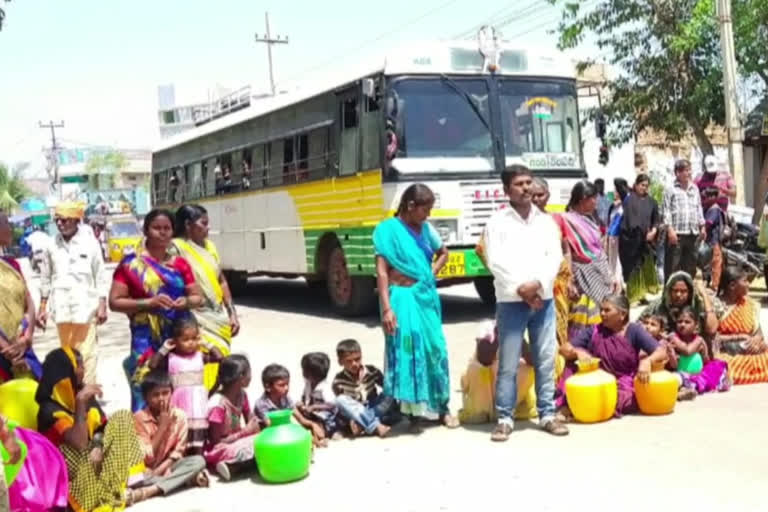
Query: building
[174, 118]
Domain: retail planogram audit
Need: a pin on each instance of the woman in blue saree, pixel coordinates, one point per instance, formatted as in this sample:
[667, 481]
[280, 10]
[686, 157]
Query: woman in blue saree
[154, 288]
[416, 360]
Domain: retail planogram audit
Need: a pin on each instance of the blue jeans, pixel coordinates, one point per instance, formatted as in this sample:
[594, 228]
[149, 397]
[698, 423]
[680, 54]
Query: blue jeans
[512, 319]
[383, 410]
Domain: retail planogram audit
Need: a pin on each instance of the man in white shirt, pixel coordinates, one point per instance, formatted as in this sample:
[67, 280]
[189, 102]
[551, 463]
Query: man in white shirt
[73, 272]
[523, 252]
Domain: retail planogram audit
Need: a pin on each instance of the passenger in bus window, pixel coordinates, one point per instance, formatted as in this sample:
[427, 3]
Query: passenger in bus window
[226, 179]
[173, 186]
[246, 180]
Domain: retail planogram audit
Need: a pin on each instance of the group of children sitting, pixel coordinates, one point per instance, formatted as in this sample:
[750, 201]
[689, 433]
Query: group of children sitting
[182, 420]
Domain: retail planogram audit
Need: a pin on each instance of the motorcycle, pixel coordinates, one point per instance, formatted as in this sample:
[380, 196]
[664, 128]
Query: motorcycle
[740, 248]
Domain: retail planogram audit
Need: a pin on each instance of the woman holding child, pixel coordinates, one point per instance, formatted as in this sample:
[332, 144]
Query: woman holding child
[216, 317]
[416, 357]
[618, 344]
[154, 288]
[681, 291]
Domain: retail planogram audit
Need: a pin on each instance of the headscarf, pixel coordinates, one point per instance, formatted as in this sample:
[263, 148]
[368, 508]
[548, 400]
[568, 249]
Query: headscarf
[663, 306]
[70, 210]
[56, 397]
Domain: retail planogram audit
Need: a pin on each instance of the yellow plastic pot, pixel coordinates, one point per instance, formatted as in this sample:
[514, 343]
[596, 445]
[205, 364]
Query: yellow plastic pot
[591, 393]
[659, 395]
[17, 402]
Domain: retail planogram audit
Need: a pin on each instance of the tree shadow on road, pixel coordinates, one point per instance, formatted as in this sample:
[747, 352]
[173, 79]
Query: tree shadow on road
[294, 296]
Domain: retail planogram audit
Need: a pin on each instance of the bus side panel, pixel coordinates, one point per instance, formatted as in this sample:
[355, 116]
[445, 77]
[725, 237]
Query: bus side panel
[232, 218]
[255, 227]
[285, 241]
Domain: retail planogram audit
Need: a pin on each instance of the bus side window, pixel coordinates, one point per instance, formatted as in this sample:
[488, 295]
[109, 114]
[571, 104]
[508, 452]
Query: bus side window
[302, 145]
[349, 137]
[289, 165]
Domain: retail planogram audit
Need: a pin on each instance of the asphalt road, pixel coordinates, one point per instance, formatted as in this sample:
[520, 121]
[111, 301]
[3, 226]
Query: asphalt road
[709, 455]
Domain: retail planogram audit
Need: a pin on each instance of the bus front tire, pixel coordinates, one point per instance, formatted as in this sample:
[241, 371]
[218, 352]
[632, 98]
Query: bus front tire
[350, 295]
[486, 290]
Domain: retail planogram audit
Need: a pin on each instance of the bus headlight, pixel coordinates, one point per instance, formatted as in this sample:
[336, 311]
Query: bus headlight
[447, 229]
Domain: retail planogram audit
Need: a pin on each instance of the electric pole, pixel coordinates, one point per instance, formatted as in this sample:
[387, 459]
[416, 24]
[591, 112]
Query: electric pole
[732, 114]
[269, 41]
[54, 153]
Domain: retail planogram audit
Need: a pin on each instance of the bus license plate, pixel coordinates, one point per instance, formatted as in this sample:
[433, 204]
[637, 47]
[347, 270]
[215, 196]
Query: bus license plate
[455, 266]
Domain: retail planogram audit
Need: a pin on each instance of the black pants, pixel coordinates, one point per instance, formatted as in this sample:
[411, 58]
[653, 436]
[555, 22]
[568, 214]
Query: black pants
[681, 256]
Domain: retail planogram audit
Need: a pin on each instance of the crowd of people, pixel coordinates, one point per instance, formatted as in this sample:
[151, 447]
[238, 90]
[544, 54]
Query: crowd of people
[563, 299]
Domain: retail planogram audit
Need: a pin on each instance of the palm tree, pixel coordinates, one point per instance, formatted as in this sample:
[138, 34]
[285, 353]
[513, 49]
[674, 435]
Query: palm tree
[12, 189]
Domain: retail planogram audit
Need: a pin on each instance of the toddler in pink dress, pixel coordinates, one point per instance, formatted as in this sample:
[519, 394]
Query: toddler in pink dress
[185, 367]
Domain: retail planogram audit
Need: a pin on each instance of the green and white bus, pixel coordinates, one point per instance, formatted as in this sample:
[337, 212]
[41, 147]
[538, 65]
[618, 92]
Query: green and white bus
[295, 183]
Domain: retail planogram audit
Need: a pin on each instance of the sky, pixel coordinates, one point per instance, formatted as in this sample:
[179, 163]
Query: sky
[96, 64]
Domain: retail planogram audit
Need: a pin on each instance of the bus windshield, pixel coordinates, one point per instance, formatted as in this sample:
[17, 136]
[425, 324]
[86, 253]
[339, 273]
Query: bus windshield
[540, 123]
[438, 120]
[123, 230]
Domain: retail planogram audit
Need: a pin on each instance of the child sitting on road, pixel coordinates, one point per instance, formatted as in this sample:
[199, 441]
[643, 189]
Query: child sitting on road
[277, 380]
[232, 428]
[656, 325]
[317, 404]
[686, 341]
[357, 393]
[478, 384]
[162, 432]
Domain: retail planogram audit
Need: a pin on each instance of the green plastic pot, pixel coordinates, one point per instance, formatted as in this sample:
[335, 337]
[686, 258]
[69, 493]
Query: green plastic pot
[12, 470]
[283, 450]
[692, 364]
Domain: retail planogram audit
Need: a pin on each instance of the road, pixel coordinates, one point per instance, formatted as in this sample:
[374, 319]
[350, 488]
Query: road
[710, 454]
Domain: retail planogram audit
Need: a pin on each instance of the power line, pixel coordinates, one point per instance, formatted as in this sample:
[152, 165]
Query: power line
[378, 38]
[510, 13]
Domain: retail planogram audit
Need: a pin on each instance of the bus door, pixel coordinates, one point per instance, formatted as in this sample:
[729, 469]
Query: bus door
[349, 131]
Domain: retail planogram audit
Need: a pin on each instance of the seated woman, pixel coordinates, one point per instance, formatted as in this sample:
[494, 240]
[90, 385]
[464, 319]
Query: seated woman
[41, 484]
[680, 292]
[618, 344]
[739, 341]
[103, 456]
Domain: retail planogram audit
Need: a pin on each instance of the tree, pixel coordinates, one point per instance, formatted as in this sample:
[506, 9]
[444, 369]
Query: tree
[12, 189]
[2, 15]
[102, 168]
[667, 54]
[750, 28]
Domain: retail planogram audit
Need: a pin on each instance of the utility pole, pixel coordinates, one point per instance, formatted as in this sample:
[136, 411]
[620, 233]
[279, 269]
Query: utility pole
[54, 153]
[269, 41]
[732, 114]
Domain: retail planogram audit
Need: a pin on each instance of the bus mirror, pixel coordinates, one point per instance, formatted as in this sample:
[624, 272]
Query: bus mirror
[369, 87]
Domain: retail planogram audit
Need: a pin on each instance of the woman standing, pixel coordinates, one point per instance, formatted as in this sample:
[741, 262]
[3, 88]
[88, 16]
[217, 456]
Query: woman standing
[17, 314]
[592, 275]
[216, 317]
[740, 341]
[637, 230]
[103, 456]
[615, 216]
[618, 344]
[416, 360]
[153, 288]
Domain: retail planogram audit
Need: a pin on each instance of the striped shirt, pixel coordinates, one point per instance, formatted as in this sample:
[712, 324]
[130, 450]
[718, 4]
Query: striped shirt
[681, 209]
[362, 388]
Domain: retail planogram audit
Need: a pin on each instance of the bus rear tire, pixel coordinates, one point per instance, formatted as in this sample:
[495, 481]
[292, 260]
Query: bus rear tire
[350, 295]
[486, 290]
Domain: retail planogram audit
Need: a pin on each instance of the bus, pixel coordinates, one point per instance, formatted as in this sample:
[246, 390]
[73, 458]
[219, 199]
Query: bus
[296, 183]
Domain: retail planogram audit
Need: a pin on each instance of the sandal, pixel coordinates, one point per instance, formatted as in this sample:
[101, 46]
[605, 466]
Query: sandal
[555, 427]
[501, 433]
[449, 421]
[202, 480]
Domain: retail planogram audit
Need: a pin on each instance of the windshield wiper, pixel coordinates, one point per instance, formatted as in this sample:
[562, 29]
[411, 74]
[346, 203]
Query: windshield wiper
[464, 94]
